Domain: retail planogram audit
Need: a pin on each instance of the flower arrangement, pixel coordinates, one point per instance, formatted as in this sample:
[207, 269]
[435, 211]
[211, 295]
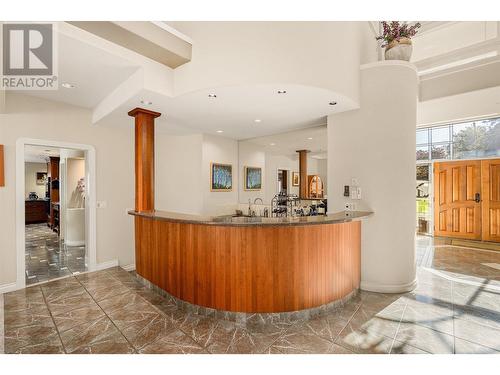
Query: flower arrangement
[395, 31]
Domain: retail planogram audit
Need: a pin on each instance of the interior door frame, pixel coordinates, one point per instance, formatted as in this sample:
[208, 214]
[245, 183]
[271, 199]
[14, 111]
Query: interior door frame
[90, 202]
[288, 177]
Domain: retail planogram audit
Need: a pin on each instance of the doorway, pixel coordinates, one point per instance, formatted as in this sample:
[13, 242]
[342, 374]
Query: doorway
[467, 199]
[55, 210]
[54, 213]
[283, 182]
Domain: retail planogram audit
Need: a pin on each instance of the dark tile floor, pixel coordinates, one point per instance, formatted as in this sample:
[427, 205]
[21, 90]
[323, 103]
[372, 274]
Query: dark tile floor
[455, 309]
[47, 257]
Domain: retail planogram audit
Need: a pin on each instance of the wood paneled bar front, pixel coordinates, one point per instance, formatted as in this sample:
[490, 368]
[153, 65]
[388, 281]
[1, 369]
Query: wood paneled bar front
[250, 265]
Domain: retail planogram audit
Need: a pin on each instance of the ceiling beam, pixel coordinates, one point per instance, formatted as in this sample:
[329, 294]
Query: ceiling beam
[145, 38]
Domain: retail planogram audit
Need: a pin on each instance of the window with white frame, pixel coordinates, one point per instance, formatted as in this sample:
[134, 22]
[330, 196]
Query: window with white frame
[464, 140]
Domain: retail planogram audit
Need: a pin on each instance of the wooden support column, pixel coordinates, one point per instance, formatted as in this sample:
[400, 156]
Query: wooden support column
[144, 158]
[303, 190]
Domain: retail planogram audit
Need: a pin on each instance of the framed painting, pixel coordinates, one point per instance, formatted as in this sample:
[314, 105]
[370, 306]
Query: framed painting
[295, 179]
[253, 178]
[41, 178]
[221, 177]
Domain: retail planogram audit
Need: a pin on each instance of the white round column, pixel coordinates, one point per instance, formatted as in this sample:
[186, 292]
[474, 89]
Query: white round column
[375, 145]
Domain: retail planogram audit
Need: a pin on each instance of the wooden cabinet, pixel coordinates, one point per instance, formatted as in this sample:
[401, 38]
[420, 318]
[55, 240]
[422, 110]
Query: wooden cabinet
[315, 186]
[36, 211]
[251, 269]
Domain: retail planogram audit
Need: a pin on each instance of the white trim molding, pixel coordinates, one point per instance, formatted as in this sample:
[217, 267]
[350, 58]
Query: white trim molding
[90, 202]
[104, 265]
[5, 288]
[74, 243]
[385, 63]
[129, 267]
[388, 288]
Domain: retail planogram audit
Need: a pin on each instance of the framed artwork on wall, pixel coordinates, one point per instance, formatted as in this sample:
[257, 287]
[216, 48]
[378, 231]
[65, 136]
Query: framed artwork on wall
[253, 178]
[41, 178]
[221, 177]
[295, 179]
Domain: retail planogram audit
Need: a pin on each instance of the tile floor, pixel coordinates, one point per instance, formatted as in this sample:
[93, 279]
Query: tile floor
[48, 258]
[455, 309]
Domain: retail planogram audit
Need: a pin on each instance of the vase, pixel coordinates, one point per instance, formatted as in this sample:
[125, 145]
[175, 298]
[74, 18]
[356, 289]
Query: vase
[399, 50]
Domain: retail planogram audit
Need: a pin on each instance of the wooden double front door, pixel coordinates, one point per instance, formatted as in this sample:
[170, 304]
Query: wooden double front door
[467, 199]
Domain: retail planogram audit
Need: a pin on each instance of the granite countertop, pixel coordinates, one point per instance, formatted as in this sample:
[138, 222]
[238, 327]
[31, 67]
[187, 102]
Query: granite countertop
[339, 217]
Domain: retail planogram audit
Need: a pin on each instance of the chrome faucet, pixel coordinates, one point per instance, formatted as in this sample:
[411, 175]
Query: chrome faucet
[258, 199]
[249, 207]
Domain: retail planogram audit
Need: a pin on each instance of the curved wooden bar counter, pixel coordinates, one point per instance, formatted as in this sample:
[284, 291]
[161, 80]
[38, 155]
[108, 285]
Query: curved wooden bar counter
[251, 265]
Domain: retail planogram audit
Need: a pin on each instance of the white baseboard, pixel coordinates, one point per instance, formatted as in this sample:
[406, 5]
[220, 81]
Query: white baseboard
[74, 243]
[4, 288]
[129, 267]
[109, 264]
[388, 288]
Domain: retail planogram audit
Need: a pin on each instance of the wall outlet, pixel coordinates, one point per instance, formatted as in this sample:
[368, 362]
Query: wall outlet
[349, 206]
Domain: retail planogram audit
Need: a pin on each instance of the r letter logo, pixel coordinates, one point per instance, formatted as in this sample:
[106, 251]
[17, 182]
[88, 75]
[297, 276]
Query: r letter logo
[28, 56]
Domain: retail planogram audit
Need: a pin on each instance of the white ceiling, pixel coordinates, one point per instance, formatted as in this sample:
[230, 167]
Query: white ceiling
[97, 72]
[236, 108]
[93, 71]
[288, 143]
[39, 154]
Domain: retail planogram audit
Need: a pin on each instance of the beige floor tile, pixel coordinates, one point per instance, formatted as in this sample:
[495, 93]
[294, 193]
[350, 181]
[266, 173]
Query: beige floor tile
[70, 319]
[425, 339]
[176, 342]
[467, 347]
[99, 336]
[477, 333]
[361, 341]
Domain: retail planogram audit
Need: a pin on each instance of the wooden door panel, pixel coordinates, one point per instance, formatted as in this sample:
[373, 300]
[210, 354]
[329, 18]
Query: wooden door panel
[490, 176]
[457, 214]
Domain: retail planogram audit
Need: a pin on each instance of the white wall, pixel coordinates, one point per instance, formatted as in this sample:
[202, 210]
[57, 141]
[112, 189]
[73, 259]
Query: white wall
[30, 170]
[36, 118]
[225, 151]
[251, 155]
[472, 104]
[376, 145]
[178, 179]
[75, 170]
[323, 173]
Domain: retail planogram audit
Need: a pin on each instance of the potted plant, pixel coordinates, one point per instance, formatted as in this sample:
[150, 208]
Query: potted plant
[396, 39]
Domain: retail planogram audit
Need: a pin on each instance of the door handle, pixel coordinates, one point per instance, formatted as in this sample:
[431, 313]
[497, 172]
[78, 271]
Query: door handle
[477, 197]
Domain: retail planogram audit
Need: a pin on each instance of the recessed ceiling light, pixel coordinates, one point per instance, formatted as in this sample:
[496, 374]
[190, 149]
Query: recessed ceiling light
[146, 102]
[272, 144]
[67, 85]
[281, 91]
[333, 103]
[257, 120]
[212, 95]
[220, 131]
[310, 138]
[47, 150]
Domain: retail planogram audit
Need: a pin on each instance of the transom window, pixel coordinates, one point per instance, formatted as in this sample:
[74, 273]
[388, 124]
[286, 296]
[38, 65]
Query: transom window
[464, 140]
